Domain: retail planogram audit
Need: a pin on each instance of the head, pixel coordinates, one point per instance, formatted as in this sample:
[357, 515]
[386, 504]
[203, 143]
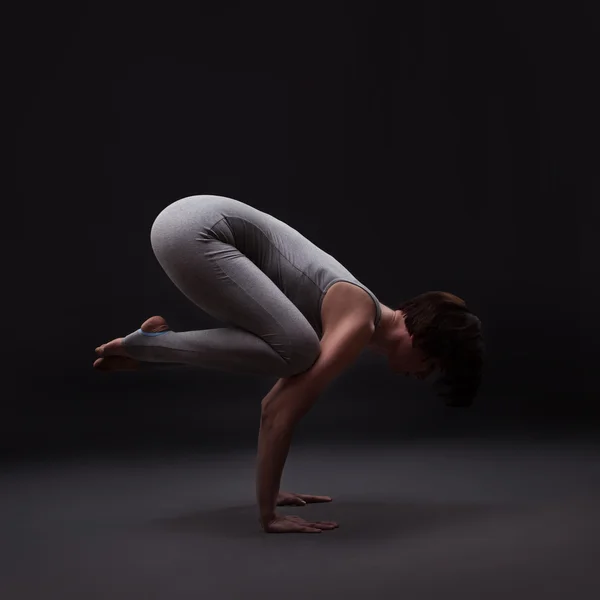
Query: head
[435, 331]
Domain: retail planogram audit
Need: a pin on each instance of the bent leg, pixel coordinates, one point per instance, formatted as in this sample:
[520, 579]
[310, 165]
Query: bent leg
[267, 334]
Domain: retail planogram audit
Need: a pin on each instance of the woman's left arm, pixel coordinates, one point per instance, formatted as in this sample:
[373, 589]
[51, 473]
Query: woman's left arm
[292, 397]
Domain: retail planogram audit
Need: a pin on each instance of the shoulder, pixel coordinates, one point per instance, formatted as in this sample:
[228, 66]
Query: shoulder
[348, 307]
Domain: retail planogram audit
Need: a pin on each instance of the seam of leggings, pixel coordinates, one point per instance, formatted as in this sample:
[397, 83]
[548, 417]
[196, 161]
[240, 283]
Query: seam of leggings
[277, 249]
[288, 345]
[218, 237]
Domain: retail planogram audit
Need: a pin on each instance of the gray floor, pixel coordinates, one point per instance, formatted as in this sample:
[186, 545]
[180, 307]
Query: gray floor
[465, 519]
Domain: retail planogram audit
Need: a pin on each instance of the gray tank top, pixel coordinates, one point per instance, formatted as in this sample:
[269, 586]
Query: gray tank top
[300, 269]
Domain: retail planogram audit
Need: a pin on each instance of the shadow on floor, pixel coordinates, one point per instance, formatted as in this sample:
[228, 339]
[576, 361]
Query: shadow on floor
[357, 520]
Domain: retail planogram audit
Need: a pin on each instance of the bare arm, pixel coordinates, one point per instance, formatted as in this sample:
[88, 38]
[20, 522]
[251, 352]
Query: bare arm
[291, 398]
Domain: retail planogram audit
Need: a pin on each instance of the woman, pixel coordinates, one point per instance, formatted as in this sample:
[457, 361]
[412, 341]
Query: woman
[293, 311]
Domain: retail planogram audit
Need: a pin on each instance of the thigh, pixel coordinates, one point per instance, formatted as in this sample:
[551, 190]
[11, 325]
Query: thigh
[227, 285]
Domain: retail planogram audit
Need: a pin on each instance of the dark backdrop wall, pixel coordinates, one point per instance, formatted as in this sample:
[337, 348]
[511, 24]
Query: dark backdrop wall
[426, 145]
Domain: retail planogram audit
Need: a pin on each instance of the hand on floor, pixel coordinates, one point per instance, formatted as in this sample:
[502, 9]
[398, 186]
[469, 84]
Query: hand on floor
[291, 499]
[293, 524]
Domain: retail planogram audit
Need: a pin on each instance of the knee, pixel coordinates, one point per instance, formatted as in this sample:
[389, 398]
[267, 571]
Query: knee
[304, 351]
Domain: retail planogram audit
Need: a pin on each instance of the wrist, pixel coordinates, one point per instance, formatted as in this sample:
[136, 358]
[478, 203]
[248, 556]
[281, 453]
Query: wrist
[266, 518]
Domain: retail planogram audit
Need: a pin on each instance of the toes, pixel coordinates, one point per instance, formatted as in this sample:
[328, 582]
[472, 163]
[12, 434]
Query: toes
[109, 349]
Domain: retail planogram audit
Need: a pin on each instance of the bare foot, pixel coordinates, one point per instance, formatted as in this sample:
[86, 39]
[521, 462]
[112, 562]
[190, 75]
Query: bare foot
[113, 356]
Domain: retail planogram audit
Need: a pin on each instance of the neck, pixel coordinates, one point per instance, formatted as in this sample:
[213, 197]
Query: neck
[388, 329]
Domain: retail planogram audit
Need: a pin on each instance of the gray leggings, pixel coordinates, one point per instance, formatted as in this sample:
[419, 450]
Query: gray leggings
[267, 334]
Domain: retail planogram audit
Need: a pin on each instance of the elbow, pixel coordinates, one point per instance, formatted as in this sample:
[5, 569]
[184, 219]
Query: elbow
[273, 417]
[292, 399]
[281, 416]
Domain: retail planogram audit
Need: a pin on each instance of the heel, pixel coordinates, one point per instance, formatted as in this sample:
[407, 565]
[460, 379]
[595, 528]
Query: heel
[150, 334]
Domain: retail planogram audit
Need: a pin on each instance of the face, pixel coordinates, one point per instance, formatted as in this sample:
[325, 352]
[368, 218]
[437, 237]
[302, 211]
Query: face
[411, 362]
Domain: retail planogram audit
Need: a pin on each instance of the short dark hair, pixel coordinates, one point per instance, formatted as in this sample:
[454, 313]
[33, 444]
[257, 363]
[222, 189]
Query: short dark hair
[444, 328]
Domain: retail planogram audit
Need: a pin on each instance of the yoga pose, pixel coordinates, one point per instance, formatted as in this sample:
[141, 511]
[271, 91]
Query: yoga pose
[294, 312]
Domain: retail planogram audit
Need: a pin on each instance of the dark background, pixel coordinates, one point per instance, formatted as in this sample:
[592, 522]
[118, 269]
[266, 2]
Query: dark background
[426, 145]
